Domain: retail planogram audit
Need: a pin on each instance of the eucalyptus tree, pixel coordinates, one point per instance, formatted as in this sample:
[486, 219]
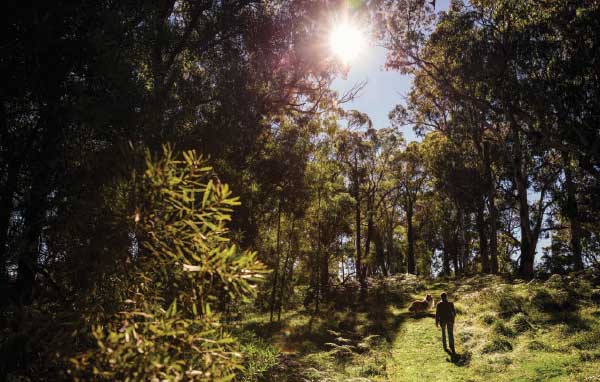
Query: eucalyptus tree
[411, 177]
[493, 60]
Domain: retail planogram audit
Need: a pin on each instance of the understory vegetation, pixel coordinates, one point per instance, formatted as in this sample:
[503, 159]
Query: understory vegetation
[508, 330]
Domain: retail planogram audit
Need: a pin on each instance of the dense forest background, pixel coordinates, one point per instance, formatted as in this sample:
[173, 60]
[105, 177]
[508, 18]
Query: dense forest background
[166, 164]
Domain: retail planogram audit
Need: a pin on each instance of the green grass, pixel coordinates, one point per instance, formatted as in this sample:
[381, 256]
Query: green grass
[504, 332]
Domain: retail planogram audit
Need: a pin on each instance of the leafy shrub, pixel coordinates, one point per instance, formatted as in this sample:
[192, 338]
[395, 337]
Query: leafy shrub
[502, 329]
[586, 340]
[497, 344]
[555, 281]
[259, 356]
[595, 296]
[546, 300]
[519, 323]
[340, 353]
[508, 302]
[375, 368]
[488, 318]
[589, 356]
[580, 289]
[185, 269]
[369, 342]
[537, 346]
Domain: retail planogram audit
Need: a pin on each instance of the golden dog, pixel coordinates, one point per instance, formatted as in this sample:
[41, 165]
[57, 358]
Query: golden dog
[421, 306]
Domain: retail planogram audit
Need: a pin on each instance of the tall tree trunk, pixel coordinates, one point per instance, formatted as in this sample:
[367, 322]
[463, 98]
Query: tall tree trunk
[359, 270]
[462, 242]
[445, 262]
[455, 259]
[483, 241]
[411, 263]
[378, 238]
[324, 278]
[6, 208]
[573, 215]
[493, 218]
[369, 234]
[277, 258]
[527, 240]
[36, 201]
[390, 250]
[284, 270]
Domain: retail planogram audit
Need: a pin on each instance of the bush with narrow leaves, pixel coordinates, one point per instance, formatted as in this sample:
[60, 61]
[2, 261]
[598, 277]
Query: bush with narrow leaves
[186, 270]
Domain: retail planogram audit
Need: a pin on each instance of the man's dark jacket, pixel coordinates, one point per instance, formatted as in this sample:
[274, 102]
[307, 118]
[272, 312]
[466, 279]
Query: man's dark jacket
[445, 313]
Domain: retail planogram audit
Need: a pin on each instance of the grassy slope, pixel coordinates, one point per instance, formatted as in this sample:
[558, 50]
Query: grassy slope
[563, 343]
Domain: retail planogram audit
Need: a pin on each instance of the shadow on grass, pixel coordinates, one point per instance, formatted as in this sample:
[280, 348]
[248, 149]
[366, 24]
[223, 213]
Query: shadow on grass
[349, 318]
[459, 359]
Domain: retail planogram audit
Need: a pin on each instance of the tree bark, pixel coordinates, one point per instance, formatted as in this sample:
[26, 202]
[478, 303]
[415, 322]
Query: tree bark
[483, 241]
[493, 218]
[277, 255]
[411, 263]
[284, 271]
[6, 208]
[357, 215]
[573, 216]
[527, 241]
[369, 233]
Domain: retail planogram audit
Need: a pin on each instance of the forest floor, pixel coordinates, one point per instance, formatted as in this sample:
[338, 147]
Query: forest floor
[505, 331]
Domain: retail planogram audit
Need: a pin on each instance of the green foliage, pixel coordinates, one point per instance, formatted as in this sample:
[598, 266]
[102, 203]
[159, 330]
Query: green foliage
[500, 328]
[507, 302]
[259, 356]
[551, 301]
[586, 339]
[555, 281]
[537, 346]
[186, 271]
[340, 352]
[519, 323]
[488, 318]
[497, 345]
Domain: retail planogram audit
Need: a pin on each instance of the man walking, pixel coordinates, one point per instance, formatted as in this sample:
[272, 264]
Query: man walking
[444, 317]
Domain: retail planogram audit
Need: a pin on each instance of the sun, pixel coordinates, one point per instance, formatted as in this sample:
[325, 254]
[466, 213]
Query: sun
[346, 41]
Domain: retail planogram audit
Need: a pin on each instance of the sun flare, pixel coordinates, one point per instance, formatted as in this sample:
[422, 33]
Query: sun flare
[347, 41]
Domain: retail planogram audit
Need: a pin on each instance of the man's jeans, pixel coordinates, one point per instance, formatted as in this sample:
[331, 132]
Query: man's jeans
[450, 327]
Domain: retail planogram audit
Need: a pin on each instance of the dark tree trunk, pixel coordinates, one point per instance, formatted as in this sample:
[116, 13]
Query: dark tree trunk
[491, 194]
[445, 262]
[324, 278]
[29, 254]
[411, 263]
[43, 171]
[527, 240]
[380, 251]
[463, 249]
[483, 241]
[573, 216]
[369, 234]
[285, 270]
[6, 208]
[277, 258]
[455, 260]
[359, 267]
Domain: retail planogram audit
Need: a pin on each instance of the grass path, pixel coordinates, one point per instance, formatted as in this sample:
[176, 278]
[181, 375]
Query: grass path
[552, 350]
[417, 353]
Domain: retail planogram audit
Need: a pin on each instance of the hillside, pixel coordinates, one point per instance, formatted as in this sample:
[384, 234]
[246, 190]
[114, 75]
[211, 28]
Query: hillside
[505, 331]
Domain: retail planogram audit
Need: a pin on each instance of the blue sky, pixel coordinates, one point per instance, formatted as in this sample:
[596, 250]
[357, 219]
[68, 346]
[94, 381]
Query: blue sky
[384, 89]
